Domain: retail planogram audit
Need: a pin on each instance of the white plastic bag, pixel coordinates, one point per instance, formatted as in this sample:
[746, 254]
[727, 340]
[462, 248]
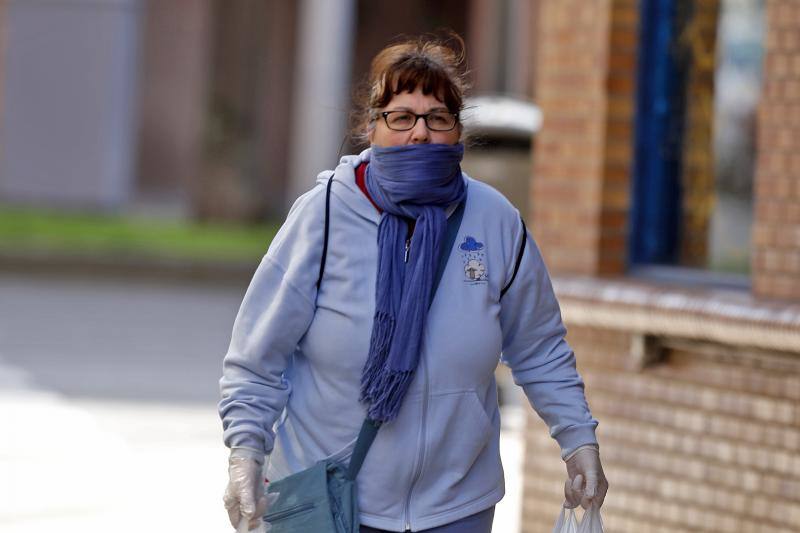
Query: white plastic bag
[566, 522]
[591, 521]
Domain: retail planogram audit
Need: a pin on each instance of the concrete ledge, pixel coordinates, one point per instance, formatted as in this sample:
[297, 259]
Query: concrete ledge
[127, 266]
[727, 316]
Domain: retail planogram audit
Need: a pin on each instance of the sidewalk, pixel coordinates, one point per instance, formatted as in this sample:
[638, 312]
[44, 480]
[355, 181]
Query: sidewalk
[68, 463]
[98, 466]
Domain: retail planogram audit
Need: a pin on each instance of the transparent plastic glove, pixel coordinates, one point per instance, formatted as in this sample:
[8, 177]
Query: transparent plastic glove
[244, 527]
[586, 484]
[244, 497]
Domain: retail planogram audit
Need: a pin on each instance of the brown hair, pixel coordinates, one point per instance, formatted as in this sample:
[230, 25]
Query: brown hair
[434, 64]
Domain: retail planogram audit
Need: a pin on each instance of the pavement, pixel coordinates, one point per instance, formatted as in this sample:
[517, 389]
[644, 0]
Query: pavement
[108, 391]
[109, 466]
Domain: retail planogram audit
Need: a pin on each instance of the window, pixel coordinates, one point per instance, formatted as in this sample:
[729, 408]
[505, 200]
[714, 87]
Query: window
[698, 83]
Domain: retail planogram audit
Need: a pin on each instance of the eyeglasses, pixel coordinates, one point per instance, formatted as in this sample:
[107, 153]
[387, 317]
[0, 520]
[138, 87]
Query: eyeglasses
[406, 120]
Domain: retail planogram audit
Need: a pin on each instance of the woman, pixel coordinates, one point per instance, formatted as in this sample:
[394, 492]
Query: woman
[307, 363]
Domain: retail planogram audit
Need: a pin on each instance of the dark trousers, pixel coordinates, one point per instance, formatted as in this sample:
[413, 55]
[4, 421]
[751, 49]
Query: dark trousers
[476, 523]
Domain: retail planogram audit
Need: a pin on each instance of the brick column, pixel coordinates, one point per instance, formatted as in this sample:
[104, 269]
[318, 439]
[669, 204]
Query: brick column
[585, 86]
[776, 228]
[175, 70]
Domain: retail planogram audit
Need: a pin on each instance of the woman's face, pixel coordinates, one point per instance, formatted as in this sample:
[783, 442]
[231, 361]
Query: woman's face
[418, 103]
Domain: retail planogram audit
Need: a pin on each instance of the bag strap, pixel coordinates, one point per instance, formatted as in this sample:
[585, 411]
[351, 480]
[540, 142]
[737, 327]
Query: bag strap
[370, 427]
[365, 437]
[453, 225]
[327, 230]
[519, 259]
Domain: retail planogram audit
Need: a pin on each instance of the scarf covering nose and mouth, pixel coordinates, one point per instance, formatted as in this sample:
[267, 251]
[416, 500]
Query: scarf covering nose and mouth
[415, 181]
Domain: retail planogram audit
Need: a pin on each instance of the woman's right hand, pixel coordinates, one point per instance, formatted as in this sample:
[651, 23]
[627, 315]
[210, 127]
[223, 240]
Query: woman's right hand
[244, 496]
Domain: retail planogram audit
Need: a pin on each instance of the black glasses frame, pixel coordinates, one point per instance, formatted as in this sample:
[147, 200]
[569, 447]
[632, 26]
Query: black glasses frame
[424, 116]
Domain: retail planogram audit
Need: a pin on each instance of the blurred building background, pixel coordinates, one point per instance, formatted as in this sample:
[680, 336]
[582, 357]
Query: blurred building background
[651, 144]
[221, 110]
[669, 212]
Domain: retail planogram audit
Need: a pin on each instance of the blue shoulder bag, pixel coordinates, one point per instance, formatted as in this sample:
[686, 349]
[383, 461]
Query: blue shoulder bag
[324, 497]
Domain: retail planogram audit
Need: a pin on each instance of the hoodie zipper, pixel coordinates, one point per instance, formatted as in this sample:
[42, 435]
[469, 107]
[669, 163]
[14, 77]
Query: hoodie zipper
[421, 457]
[408, 242]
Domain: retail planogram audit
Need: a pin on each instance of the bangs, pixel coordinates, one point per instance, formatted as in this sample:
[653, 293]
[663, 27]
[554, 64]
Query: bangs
[415, 72]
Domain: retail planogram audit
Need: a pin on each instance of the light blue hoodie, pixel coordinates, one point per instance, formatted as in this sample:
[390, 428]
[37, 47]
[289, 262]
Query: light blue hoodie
[291, 376]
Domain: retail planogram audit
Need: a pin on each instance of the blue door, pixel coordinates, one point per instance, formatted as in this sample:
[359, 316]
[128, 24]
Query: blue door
[660, 103]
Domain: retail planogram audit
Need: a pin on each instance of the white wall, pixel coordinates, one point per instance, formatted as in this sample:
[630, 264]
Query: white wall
[67, 134]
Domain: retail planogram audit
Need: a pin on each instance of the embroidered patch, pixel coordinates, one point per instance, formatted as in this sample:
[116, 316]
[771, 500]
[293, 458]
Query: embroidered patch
[473, 255]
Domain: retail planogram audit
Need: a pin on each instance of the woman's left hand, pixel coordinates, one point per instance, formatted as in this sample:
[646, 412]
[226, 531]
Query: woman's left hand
[586, 484]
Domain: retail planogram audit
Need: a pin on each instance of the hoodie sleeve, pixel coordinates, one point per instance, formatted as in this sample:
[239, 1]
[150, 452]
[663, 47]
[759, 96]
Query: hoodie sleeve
[275, 313]
[535, 349]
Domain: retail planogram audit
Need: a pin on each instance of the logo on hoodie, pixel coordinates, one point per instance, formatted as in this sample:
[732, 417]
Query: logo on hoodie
[473, 255]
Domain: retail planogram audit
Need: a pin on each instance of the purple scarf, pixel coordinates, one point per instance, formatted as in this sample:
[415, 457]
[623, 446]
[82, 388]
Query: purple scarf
[416, 181]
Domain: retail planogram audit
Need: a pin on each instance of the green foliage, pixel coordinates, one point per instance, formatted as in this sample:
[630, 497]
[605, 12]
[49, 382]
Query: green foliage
[36, 230]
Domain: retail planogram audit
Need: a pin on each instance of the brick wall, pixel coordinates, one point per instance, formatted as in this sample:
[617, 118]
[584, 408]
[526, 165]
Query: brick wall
[699, 433]
[585, 85]
[175, 65]
[776, 232]
[705, 439]
[619, 135]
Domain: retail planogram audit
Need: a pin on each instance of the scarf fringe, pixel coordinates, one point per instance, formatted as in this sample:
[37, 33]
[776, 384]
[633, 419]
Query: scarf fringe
[383, 389]
[387, 394]
[379, 344]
